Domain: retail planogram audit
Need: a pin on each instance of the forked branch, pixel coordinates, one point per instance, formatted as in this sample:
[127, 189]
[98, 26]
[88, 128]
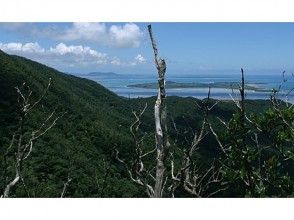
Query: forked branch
[21, 144]
[137, 171]
[194, 181]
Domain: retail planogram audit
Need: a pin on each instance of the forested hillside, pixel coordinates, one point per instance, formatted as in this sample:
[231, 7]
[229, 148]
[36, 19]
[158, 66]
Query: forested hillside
[94, 122]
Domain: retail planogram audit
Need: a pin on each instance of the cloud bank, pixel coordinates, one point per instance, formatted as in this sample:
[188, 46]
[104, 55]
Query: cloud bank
[62, 54]
[128, 35]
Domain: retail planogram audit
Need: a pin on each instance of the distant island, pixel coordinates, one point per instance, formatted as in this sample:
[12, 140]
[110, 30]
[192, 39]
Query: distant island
[177, 85]
[103, 74]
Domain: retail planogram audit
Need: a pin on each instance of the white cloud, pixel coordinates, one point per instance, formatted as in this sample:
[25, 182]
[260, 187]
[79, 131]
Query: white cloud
[78, 54]
[32, 48]
[59, 55]
[71, 55]
[83, 31]
[128, 35]
[116, 61]
[63, 49]
[23, 48]
[139, 59]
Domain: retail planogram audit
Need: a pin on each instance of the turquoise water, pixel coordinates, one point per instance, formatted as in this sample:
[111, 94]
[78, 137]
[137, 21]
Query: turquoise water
[119, 85]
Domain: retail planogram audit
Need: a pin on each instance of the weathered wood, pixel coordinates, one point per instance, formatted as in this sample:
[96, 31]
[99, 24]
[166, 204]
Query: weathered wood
[23, 147]
[160, 113]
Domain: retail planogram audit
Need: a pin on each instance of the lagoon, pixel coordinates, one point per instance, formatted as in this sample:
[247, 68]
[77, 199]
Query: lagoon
[258, 86]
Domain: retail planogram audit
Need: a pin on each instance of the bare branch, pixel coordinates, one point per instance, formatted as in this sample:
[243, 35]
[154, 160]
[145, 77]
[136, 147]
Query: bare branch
[41, 97]
[218, 140]
[189, 176]
[137, 179]
[65, 185]
[23, 146]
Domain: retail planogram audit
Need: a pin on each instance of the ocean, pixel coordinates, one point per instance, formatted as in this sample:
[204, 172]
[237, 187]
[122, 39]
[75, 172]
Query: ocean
[119, 85]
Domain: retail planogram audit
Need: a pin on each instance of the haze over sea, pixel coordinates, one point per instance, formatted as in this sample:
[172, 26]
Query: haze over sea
[119, 85]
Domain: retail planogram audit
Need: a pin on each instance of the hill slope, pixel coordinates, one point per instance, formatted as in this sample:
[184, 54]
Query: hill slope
[80, 145]
[95, 119]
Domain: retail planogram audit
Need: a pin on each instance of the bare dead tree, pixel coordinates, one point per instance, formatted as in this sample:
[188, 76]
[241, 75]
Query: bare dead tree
[195, 181]
[137, 171]
[249, 171]
[141, 176]
[160, 112]
[22, 143]
[240, 104]
[244, 155]
[65, 185]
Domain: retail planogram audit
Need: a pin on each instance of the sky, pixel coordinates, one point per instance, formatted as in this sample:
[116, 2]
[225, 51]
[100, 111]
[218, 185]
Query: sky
[125, 48]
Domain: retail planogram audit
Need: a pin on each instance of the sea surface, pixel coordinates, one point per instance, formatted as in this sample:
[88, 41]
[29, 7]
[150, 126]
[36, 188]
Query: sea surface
[119, 85]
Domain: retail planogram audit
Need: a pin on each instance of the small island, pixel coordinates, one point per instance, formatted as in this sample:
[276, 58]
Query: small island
[103, 74]
[221, 85]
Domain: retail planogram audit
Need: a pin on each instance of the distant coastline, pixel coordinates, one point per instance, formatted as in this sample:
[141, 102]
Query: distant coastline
[221, 85]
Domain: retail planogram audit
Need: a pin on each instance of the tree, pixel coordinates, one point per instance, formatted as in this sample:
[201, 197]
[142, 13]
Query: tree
[255, 151]
[205, 182]
[22, 142]
[161, 134]
[192, 179]
[258, 150]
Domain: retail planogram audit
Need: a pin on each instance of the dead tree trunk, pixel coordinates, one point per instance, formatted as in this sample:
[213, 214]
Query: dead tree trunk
[140, 174]
[161, 134]
[22, 144]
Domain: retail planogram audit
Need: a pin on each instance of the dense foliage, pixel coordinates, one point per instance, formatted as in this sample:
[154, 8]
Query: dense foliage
[80, 145]
[259, 153]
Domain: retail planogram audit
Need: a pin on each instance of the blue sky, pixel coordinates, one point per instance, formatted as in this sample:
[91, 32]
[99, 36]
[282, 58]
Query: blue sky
[189, 48]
